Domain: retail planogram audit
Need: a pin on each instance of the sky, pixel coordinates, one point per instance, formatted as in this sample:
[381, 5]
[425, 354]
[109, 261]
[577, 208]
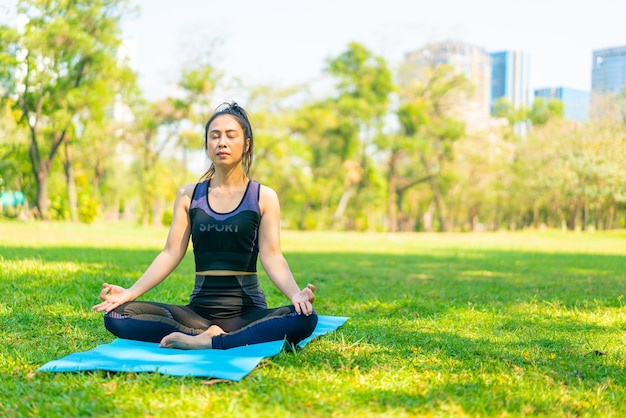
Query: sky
[287, 42]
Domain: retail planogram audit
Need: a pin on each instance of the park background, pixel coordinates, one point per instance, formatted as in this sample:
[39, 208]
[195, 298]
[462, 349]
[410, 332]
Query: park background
[517, 310]
[365, 143]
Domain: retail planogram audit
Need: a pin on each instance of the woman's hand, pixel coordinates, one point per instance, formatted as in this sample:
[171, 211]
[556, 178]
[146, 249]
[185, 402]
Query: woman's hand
[303, 300]
[112, 296]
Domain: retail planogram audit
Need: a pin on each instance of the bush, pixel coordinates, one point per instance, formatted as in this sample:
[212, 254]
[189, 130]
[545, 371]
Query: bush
[87, 209]
[59, 210]
[167, 217]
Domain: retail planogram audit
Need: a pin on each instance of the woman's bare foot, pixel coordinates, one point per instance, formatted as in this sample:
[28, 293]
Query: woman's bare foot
[191, 342]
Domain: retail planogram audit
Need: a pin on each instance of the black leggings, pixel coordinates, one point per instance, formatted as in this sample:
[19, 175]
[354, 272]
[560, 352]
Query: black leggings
[151, 321]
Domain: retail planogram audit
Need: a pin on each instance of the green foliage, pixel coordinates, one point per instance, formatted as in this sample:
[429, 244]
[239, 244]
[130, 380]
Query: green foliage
[324, 133]
[364, 81]
[15, 173]
[429, 127]
[504, 109]
[364, 88]
[412, 116]
[59, 209]
[87, 209]
[380, 151]
[506, 324]
[542, 111]
[166, 219]
[63, 68]
[571, 173]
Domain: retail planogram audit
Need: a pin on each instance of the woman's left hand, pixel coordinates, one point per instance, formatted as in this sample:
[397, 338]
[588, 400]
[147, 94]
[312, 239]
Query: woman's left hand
[303, 300]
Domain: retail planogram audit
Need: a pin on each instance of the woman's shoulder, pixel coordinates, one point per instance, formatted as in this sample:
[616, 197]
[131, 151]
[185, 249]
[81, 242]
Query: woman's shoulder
[266, 190]
[186, 190]
[268, 198]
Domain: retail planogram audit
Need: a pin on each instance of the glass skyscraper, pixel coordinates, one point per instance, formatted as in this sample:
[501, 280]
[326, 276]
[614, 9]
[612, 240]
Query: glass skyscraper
[510, 74]
[575, 102]
[608, 74]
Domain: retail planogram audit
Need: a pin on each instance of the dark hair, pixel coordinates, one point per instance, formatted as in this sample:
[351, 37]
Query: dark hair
[240, 114]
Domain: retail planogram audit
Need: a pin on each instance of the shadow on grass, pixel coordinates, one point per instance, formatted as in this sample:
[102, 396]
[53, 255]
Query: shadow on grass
[487, 320]
[381, 293]
[478, 277]
[431, 369]
[443, 366]
[352, 284]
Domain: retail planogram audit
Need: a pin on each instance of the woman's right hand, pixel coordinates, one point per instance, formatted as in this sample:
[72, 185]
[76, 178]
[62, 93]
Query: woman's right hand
[112, 297]
[303, 300]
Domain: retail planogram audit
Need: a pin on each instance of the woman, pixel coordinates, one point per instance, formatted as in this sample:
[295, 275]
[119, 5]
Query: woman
[231, 220]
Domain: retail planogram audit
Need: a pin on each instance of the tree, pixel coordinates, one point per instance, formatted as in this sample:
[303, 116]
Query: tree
[276, 145]
[364, 85]
[428, 128]
[14, 170]
[544, 110]
[329, 143]
[63, 67]
[481, 194]
[153, 133]
[197, 83]
[504, 109]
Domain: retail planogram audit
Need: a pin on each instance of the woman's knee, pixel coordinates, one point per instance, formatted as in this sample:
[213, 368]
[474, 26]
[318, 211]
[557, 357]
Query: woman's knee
[137, 329]
[304, 327]
[113, 324]
[135, 308]
[309, 322]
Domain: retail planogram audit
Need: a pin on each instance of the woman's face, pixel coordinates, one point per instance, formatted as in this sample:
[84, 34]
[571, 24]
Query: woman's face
[225, 141]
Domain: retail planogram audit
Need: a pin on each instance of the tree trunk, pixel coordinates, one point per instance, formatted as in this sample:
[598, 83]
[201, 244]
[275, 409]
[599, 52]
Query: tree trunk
[437, 199]
[70, 179]
[158, 209]
[585, 214]
[392, 217]
[43, 206]
[343, 204]
[303, 214]
[145, 209]
[98, 172]
[427, 218]
[401, 219]
[41, 169]
[406, 222]
[610, 219]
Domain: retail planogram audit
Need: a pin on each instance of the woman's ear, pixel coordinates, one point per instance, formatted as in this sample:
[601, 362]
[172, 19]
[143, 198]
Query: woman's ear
[247, 144]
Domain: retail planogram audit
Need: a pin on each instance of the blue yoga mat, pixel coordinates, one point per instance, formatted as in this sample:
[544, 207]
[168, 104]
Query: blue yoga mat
[137, 356]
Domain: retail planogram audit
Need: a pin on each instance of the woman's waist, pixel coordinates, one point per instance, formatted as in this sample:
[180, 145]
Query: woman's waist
[229, 263]
[233, 284]
[225, 273]
[227, 290]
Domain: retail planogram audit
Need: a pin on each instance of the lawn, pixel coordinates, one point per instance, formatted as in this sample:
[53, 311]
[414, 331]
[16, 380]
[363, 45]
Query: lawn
[489, 324]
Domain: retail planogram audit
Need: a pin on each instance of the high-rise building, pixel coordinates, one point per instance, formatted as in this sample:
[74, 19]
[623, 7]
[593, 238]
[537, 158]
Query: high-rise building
[471, 60]
[575, 102]
[608, 74]
[510, 74]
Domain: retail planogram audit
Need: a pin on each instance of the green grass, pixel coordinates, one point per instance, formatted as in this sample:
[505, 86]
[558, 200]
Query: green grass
[494, 324]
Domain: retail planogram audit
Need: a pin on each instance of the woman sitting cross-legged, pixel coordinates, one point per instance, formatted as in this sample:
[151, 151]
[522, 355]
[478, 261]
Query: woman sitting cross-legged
[231, 220]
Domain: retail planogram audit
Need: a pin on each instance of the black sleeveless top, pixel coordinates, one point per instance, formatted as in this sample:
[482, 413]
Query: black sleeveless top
[225, 241]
